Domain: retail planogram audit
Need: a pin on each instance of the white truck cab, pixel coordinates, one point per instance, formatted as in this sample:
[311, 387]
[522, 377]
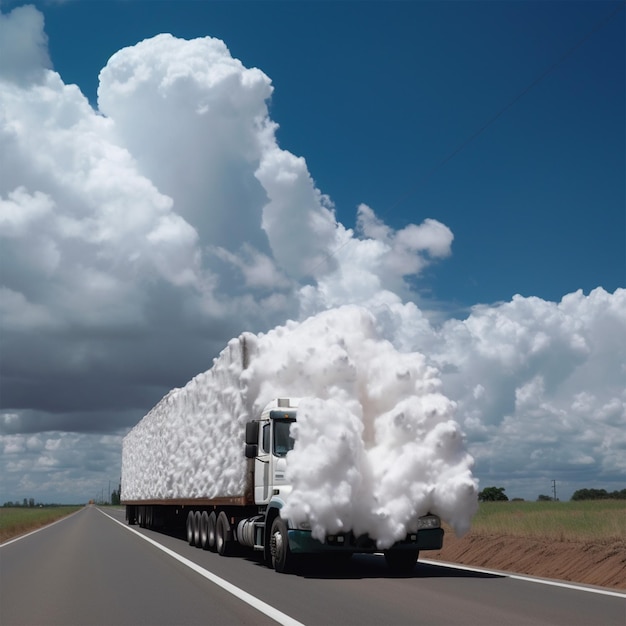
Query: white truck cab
[267, 442]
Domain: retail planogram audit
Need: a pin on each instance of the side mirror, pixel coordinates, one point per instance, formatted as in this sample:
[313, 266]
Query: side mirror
[252, 450]
[252, 433]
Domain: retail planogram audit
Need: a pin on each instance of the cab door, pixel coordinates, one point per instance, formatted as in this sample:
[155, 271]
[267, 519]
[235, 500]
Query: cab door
[262, 464]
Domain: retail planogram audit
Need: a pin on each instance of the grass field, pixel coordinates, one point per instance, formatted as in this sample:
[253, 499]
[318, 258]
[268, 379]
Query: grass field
[20, 520]
[589, 520]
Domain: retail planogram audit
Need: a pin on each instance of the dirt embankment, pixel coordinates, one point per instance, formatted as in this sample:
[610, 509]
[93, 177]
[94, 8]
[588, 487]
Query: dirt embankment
[587, 563]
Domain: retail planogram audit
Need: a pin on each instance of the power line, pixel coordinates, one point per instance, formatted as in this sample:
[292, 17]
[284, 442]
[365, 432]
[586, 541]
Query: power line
[413, 188]
[511, 103]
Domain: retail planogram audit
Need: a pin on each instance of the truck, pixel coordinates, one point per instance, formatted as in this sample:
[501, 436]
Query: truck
[251, 518]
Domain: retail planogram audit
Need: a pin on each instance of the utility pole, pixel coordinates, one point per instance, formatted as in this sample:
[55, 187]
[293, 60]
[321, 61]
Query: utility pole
[554, 489]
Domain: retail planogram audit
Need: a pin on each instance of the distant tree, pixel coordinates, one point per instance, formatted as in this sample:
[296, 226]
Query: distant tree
[492, 494]
[590, 494]
[115, 497]
[598, 494]
[25, 503]
[31, 502]
[543, 498]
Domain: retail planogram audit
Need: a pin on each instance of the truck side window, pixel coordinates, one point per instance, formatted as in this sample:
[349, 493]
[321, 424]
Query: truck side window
[283, 441]
[266, 438]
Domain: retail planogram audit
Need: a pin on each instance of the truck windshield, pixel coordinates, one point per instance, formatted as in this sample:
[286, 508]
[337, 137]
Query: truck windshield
[282, 440]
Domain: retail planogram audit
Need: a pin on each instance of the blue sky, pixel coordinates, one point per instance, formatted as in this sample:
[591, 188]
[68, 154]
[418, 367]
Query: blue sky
[448, 156]
[375, 95]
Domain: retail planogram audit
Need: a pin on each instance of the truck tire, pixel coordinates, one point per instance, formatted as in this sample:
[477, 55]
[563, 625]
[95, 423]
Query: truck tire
[211, 530]
[282, 559]
[190, 533]
[204, 530]
[197, 518]
[401, 562]
[222, 532]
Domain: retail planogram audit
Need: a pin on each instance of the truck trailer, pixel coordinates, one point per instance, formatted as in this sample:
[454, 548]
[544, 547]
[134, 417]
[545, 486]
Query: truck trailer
[250, 516]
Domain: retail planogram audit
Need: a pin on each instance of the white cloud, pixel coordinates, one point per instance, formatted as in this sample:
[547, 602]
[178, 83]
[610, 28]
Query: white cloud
[258, 269]
[298, 219]
[431, 237]
[23, 44]
[550, 375]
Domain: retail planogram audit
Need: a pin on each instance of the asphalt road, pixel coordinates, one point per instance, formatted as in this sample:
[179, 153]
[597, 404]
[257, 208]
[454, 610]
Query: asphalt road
[89, 569]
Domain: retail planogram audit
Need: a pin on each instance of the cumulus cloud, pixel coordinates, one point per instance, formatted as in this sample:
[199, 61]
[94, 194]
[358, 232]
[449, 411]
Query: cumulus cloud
[540, 385]
[138, 238]
[23, 45]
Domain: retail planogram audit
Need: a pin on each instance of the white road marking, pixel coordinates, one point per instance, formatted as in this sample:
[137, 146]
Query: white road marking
[254, 602]
[541, 581]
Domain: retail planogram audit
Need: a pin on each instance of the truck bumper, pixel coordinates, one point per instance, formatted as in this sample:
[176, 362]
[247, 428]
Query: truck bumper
[302, 542]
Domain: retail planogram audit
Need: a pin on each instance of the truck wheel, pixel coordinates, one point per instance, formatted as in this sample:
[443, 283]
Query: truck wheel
[197, 518]
[282, 558]
[190, 521]
[204, 530]
[401, 562]
[222, 530]
[211, 526]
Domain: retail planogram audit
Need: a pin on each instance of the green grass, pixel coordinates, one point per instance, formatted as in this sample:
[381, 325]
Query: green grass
[20, 520]
[589, 520]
